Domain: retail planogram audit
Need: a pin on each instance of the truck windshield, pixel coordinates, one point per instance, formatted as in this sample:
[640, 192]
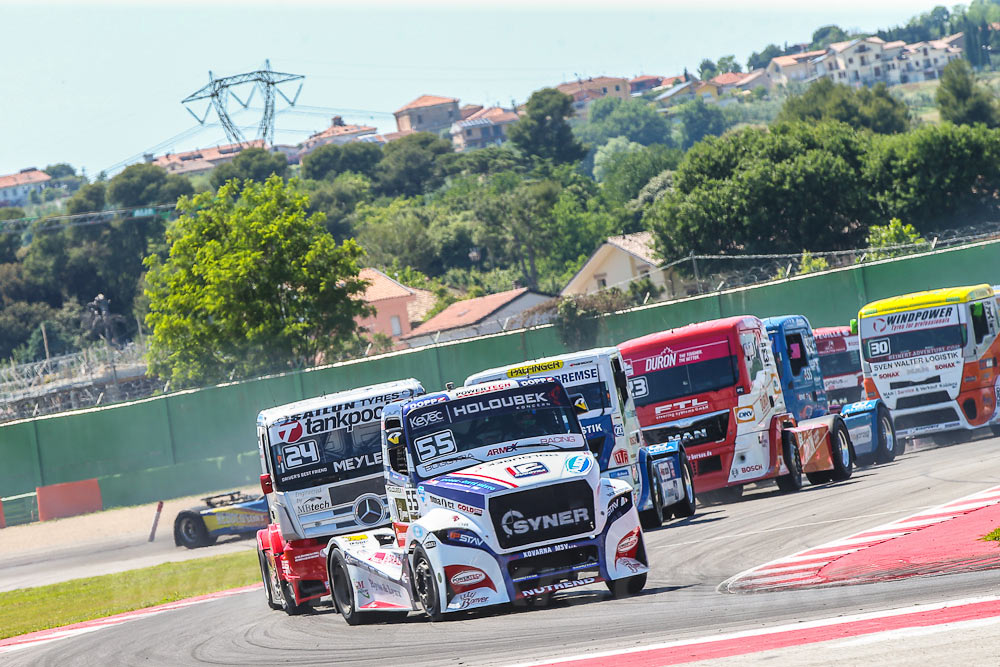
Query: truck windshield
[449, 432]
[840, 363]
[326, 458]
[913, 343]
[687, 380]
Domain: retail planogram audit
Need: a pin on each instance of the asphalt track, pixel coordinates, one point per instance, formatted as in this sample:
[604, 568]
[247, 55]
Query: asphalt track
[681, 601]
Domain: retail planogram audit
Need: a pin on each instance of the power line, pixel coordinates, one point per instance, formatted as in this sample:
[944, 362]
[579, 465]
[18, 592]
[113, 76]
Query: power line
[57, 222]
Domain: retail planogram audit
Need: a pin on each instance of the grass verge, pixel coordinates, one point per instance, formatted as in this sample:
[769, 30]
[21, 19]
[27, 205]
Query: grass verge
[994, 536]
[30, 609]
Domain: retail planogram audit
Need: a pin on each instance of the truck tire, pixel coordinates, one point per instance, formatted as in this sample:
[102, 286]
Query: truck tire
[425, 584]
[653, 518]
[265, 575]
[793, 461]
[190, 531]
[685, 507]
[342, 590]
[628, 586]
[885, 434]
[842, 452]
[288, 603]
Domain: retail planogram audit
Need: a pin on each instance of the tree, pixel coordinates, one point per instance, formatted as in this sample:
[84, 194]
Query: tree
[330, 160]
[871, 108]
[256, 164]
[252, 284]
[807, 264]
[626, 174]
[88, 198]
[409, 165]
[707, 70]
[60, 170]
[826, 35]
[337, 200]
[763, 59]
[778, 190]
[606, 154]
[634, 119]
[543, 132]
[728, 64]
[699, 120]
[145, 184]
[961, 100]
[883, 238]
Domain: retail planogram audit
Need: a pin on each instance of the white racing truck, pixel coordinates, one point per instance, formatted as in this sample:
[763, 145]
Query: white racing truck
[322, 475]
[494, 498]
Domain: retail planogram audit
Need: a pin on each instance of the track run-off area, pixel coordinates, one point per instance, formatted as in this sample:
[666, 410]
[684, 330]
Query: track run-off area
[700, 605]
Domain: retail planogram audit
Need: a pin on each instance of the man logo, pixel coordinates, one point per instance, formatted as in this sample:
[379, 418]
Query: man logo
[368, 510]
[290, 432]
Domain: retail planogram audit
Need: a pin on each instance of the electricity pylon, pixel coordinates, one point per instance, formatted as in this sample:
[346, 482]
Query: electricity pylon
[218, 92]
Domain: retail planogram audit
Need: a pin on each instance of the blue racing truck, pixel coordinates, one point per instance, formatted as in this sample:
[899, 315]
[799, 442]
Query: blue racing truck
[596, 380]
[872, 434]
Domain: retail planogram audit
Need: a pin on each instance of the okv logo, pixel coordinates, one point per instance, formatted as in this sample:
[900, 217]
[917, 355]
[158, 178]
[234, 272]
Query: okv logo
[578, 464]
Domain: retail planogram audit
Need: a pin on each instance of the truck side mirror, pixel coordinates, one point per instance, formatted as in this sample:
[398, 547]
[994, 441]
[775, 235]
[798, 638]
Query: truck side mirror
[580, 404]
[265, 484]
[854, 326]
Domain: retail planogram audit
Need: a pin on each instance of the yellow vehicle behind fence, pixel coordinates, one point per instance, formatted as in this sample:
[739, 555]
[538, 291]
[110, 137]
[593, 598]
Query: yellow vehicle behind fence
[932, 358]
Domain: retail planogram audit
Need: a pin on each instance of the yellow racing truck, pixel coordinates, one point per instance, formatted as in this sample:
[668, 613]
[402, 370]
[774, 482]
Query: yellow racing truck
[932, 358]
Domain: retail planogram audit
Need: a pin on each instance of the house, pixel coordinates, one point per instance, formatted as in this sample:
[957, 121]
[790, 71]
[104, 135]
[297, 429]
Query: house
[707, 91]
[486, 127]
[678, 93]
[383, 139]
[467, 110]
[480, 316]
[727, 81]
[203, 159]
[395, 304]
[427, 113]
[758, 78]
[619, 260]
[794, 67]
[864, 61]
[339, 132]
[600, 86]
[16, 189]
[925, 61]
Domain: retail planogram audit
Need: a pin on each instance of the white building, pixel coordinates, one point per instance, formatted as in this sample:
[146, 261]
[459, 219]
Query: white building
[16, 189]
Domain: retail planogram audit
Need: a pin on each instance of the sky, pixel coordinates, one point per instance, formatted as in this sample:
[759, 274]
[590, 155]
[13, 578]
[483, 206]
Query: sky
[99, 84]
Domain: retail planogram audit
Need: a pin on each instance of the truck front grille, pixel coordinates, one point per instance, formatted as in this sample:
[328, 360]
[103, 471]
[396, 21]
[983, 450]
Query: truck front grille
[536, 515]
[916, 420]
[922, 399]
[711, 428]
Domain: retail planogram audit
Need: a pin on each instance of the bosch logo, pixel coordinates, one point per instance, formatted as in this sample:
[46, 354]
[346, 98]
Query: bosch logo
[289, 432]
[368, 510]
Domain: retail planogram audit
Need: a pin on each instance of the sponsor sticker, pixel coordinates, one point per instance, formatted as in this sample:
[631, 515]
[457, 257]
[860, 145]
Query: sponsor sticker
[532, 369]
[744, 415]
[578, 464]
[529, 469]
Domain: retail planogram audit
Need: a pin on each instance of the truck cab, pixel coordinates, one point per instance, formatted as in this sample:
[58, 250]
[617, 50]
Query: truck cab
[595, 380]
[321, 463]
[840, 362]
[494, 498]
[932, 357]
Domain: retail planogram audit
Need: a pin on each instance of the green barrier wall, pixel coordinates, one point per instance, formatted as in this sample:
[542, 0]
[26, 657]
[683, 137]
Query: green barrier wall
[196, 441]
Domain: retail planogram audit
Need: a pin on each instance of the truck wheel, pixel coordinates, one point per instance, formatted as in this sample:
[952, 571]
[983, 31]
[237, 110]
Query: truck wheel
[840, 443]
[342, 590]
[886, 436]
[425, 584]
[793, 461]
[265, 575]
[190, 531]
[685, 507]
[627, 587]
[653, 518]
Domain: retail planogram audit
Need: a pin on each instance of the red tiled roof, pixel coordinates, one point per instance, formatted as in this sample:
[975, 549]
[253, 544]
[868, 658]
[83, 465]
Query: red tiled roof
[211, 156]
[571, 87]
[795, 59]
[340, 130]
[496, 114]
[381, 286]
[427, 101]
[466, 313]
[467, 110]
[728, 78]
[646, 77]
[26, 177]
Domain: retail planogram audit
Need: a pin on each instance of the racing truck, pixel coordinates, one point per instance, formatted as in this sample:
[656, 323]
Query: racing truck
[233, 513]
[595, 380]
[869, 424]
[840, 362]
[932, 358]
[322, 475]
[715, 387]
[494, 499]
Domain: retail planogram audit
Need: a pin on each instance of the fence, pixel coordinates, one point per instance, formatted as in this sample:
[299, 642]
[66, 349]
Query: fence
[201, 440]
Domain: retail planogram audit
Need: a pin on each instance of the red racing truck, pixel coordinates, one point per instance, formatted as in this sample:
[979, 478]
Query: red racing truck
[715, 387]
[840, 360]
